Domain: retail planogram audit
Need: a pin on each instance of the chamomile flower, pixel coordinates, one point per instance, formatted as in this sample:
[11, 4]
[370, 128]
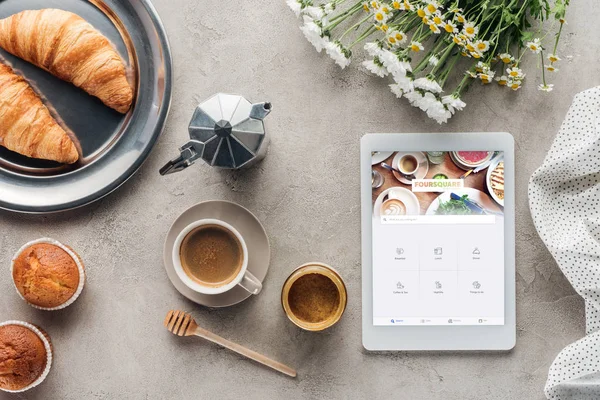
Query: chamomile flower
[458, 17]
[449, 27]
[434, 28]
[428, 84]
[453, 103]
[470, 30]
[402, 5]
[338, 53]
[382, 27]
[437, 19]
[432, 6]
[373, 49]
[502, 80]
[416, 46]
[374, 4]
[397, 38]
[481, 67]
[515, 84]
[535, 46]
[296, 6]
[545, 87]
[553, 58]
[506, 58]
[380, 15]
[313, 33]
[476, 55]
[471, 74]
[433, 60]
[366, 6]
[486, 77]
[551, 68]
[515, 73]
[375, 66]
[421, 12]
[457, 39]
[482, 46]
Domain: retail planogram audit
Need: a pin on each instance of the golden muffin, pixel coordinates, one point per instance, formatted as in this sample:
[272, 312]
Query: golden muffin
[48, 274]
[25, 356]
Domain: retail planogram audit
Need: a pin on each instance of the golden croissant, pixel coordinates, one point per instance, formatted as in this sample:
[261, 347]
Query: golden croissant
[68, 47]
[26, 125]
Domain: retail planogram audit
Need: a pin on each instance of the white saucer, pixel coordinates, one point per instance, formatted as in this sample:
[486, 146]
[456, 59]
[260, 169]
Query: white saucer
[477, 196]
[404, 195]
[421, 171]
[259, 252]
[380, 157]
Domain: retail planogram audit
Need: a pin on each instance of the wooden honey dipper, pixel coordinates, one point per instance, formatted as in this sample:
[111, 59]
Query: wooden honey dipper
[183, 324]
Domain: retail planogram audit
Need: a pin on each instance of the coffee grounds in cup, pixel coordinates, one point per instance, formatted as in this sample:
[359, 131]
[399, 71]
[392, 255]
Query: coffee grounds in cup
[313, 298]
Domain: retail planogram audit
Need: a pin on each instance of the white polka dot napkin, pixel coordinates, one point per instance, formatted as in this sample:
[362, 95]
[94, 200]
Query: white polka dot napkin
[564, 197]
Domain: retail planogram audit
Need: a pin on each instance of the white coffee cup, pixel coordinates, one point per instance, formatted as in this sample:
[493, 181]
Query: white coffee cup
[244, 278]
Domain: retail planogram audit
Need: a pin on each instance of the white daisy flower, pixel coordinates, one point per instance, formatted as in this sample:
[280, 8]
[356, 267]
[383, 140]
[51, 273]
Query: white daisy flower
[397, 90]
[416, 46]
[545, 88]
[373, 49]
[460, 18]
[551, 68]
[433, 61]
[375, 67]
[295, 6]
[438, 112]
[428, 84]
[482, 67]
[553, 58]
[470, 30]
[315, 12]
[453, 103]
[506, 58]
[313, 33]
[328, 8]
[339, 54]
[404, 83]
[535, 46]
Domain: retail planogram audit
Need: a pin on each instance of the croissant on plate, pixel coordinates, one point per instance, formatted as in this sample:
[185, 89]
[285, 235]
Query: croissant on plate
[26, 125]
[68, 47]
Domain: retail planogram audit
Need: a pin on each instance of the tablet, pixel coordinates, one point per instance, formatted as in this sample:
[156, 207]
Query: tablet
[438, 241]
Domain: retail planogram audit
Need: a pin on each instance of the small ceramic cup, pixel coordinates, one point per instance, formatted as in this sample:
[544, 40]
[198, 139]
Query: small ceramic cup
[244, 278]
[329, 273]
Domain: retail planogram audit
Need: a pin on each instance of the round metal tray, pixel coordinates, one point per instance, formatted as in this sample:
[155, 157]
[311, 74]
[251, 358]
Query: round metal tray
[113, 146]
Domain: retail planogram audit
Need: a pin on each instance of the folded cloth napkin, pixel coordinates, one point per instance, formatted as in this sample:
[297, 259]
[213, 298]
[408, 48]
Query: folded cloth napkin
[564, 197]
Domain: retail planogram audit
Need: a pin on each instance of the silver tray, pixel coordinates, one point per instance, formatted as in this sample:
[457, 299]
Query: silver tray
[113, 146]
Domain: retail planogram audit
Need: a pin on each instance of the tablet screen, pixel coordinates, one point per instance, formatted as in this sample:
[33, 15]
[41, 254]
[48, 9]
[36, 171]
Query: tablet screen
[438, 238]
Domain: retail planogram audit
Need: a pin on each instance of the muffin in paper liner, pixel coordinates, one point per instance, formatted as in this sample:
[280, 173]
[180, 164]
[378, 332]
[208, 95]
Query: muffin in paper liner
[71, 253]
[45, 338]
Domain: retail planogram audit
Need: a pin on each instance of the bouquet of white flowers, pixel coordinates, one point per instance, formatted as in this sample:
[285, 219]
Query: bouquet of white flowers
[421, 43]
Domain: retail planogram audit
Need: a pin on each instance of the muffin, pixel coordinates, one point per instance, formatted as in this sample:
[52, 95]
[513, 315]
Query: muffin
[25, 356]
[47, 274]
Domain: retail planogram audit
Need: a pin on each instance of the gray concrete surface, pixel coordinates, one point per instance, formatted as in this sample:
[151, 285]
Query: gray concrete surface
[111, 345]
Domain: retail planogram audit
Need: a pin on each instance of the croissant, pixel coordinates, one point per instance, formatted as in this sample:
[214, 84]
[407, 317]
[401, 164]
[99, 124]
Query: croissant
[26, 125]
[68, 47]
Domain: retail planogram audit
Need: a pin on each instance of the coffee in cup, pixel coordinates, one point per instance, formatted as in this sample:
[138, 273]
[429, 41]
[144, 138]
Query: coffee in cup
[408, 164]
[393, 207]
[211, 257]
[314, 297]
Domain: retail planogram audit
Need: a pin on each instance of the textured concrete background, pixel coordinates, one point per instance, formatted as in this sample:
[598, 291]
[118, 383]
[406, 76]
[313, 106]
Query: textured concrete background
[111, 345]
